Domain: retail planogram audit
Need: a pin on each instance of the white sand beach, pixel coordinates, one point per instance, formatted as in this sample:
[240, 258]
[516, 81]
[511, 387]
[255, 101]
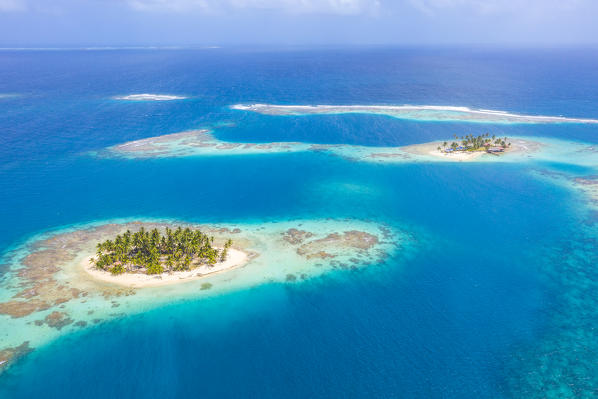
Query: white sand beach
[236, 258]
[432, 149]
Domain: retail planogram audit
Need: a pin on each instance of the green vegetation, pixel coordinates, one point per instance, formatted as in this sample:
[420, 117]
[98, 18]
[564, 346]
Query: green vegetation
[177, 250]
[482, 142]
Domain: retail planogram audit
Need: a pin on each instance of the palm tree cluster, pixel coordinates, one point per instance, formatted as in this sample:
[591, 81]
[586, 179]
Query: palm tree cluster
[180, 249]
[476, 143]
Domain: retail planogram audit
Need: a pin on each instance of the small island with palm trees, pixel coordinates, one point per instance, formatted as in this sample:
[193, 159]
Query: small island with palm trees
[470, 147]
[471, 143]
[177, 252]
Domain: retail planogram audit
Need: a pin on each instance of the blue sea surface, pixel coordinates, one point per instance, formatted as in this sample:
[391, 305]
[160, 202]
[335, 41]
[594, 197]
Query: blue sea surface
[470, 315]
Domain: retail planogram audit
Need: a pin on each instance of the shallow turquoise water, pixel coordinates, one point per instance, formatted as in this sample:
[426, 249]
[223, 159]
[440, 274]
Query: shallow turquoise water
[497, 302]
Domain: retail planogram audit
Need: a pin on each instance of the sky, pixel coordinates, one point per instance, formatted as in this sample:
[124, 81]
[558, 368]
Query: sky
[72, 23]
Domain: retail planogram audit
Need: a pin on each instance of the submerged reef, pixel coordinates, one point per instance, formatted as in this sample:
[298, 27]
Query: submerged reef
[12, 354]
[589, 185]
[561, 363]
[193, 142]
[49, 289]
[203, 143]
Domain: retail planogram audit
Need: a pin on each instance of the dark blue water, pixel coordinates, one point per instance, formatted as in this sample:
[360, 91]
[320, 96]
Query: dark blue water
[446, 323]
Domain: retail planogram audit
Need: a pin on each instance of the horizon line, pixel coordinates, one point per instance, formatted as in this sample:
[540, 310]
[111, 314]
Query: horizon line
[301, 45]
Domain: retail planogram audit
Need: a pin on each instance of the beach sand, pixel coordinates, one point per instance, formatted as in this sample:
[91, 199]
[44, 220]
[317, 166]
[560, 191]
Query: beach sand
[235, 259]
[519, 148]
[432, 149]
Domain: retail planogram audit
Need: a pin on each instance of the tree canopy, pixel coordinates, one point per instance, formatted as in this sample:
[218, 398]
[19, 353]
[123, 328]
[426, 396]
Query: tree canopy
[176, 250]
[476, 143]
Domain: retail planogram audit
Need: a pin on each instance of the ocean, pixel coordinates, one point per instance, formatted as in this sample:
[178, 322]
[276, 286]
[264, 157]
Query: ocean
[497, 297]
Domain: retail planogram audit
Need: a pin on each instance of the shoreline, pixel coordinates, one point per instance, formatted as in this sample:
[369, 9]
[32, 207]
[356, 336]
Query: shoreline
[235, 259]
[520, 148]
[431, 149]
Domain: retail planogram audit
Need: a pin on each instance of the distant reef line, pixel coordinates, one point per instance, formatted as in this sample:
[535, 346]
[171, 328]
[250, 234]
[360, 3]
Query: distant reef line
[150, 97]
[429, 113]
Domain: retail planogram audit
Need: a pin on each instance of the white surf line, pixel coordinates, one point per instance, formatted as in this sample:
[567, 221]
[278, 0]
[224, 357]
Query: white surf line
[149, 97]
[392, 109]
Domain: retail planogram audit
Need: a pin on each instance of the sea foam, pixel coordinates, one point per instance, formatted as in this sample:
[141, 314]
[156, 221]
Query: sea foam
[414, 112]
[150, 97]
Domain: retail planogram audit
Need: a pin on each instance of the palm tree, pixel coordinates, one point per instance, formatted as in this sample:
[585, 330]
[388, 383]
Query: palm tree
[177, 250]
[223, 254]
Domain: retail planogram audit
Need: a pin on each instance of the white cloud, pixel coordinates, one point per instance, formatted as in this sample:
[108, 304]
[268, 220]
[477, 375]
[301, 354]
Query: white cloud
[341, 7]
[12, 5]
[499, 6]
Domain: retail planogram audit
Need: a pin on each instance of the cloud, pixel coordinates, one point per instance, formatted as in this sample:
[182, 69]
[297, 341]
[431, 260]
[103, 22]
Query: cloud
[499, 6]
[12, 5]
[339, 7]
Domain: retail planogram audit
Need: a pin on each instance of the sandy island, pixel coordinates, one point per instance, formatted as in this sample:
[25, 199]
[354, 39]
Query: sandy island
[235, 259]
[51, 288]
[518, 146]
[432, 149]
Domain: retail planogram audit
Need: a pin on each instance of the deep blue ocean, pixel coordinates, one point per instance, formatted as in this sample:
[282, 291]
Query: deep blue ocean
[468, 316]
